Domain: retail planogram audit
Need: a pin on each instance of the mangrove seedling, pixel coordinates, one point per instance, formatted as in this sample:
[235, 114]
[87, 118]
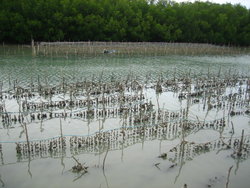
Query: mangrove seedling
[79, 167]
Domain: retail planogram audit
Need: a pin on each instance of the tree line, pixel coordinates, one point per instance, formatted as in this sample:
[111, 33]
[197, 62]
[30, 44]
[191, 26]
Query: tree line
[123, 20]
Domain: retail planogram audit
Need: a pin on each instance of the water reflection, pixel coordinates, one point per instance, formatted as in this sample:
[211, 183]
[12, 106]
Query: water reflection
[29, 170]
[99, 116]
[1, 154]
[2, 182]
[118, 139]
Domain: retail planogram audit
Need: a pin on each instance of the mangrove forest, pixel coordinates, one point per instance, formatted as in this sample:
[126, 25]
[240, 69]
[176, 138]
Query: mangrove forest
[124, 20]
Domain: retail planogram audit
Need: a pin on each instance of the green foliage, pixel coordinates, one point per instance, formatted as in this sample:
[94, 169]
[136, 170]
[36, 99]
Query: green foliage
[123, 20]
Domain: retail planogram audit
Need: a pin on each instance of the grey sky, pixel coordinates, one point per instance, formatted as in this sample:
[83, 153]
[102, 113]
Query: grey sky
[242, 2]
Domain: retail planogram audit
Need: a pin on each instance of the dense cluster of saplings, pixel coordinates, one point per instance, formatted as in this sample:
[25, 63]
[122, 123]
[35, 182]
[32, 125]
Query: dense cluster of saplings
[186, 151]
[98, 99]
[44, 148]
[116, 138]
[127, 100]
[98, 49]
[126, 136]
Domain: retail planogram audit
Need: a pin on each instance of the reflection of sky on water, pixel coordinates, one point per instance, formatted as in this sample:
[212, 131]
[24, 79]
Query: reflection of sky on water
[132, 166]
[26, 69]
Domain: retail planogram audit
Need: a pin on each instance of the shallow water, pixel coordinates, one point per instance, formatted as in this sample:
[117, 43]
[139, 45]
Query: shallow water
[19, 64]
[132, 159]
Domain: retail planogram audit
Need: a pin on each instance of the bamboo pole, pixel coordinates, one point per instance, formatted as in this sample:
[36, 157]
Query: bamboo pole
[27, 137]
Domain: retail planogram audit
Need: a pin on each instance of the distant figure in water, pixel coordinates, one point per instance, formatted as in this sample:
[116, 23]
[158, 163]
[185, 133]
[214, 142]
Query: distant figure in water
[105, 51]
[185, 186]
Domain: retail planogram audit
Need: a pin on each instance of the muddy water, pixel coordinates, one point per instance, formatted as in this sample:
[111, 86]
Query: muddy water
[187, 130]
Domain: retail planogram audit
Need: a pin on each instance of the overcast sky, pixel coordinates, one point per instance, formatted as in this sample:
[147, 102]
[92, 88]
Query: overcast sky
[242, 2]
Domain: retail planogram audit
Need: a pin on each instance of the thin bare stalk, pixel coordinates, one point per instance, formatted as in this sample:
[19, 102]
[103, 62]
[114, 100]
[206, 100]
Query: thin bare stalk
[27, 137]
[241, 144]
[103, 164]
[76, 161]
[228, 175]
[61, 132]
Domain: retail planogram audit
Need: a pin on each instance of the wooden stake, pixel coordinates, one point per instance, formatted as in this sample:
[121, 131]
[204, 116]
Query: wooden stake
[228, 175]
[27, 137]
[241, 144]
[103, 164]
